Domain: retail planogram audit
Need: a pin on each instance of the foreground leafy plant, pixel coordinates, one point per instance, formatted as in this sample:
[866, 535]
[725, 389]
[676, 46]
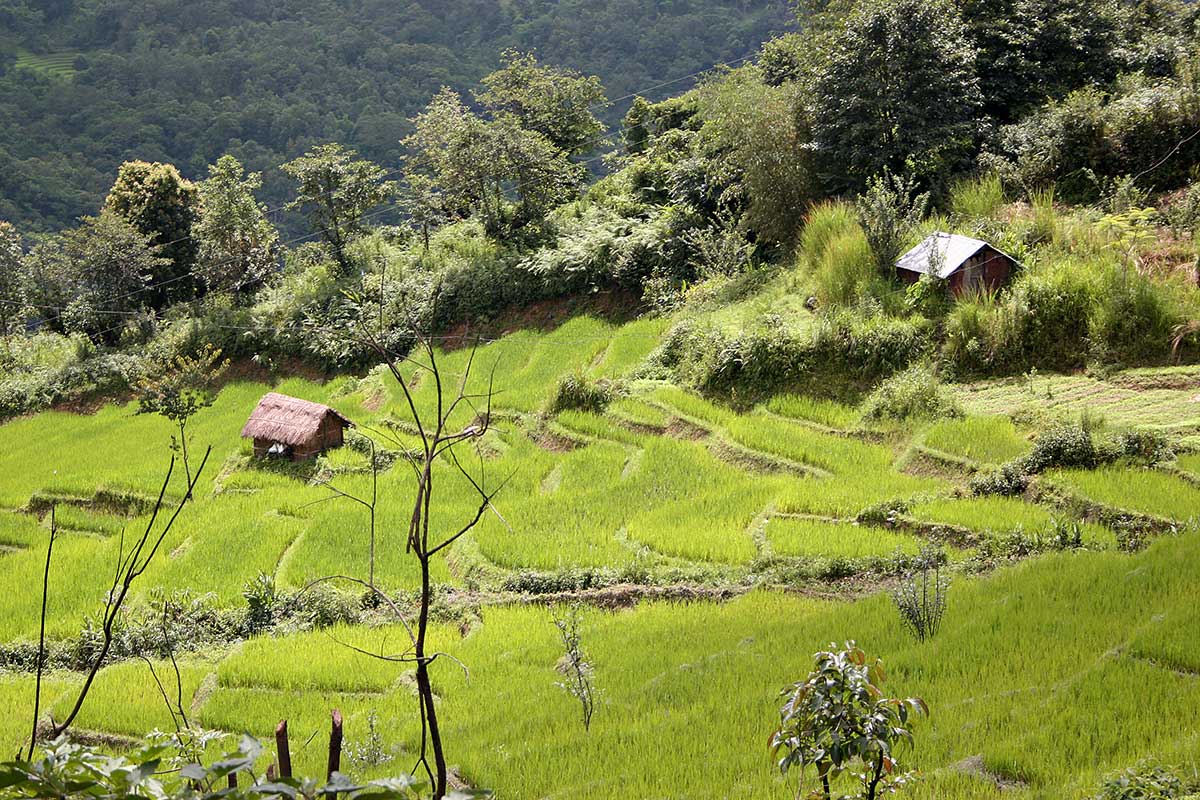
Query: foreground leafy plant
[838, 718]
[66, 770]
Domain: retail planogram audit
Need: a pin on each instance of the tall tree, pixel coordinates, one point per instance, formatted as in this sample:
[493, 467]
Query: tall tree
[238, 246]
[161, 203]
[897, 91]
[336, 190]
[557, 103]
[1033, 50]
[494, 170]
[10, 276]
[92, 278]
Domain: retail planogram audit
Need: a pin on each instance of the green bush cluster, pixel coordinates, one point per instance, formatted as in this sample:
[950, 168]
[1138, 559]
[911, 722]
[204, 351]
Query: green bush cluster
[1071, 446]
[1063, 317]
[847, 352]
[579, 393]
[1150, 780]
[915, 393]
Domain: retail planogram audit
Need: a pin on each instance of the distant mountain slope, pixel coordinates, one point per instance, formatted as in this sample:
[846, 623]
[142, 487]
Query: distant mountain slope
[86, 84]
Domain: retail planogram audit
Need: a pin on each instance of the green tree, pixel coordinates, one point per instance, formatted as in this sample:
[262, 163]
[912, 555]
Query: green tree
[422, 202]
[753, 128]
[11, 280]
[889, 211]
[556, 103]
[1031, 50]
[238, 246]
[898, 85]
[160, 203]
[494, 170]
[179, 391]
[93, 277]
[336, 190]
[838, 718]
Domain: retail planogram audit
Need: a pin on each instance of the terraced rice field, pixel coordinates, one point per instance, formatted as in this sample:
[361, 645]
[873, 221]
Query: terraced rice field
[663, 486]
[1162, 399]
[59, 65]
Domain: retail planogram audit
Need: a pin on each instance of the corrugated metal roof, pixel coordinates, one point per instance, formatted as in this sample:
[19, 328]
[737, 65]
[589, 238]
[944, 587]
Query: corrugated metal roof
[945, 251]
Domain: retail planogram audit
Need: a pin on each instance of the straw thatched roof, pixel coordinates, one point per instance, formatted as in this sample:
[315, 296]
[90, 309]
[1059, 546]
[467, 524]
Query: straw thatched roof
[290, 420]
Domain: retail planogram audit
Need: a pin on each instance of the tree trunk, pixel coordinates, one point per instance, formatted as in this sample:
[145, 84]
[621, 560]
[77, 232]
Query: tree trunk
[874, 785]
[425, 688]
[187, 468]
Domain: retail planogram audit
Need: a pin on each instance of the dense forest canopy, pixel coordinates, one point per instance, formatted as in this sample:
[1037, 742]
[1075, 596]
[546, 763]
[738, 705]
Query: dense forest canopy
[88, 84]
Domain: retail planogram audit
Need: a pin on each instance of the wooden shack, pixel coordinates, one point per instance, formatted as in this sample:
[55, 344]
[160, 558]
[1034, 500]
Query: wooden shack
[966, 264]
[295, 429]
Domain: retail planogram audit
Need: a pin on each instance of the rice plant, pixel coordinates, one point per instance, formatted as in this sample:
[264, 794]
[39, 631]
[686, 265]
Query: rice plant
[990, 439]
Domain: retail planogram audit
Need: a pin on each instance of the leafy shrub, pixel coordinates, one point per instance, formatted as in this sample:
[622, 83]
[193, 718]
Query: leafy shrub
[261, 603]
[1064, 446]
[915, 393]
[870, 346]
[1008, 480]
[1150, 447]
[889, 211]
[1092, 134]
[1147, 780]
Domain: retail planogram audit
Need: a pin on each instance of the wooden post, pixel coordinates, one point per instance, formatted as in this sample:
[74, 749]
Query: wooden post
[233, 780]
[270, 773]
[285, 753]
[335, 744]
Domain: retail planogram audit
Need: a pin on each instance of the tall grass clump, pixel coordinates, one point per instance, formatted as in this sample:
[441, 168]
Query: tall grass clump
[977, 198]
[1044, 224]
[826, 222]
[845, 273]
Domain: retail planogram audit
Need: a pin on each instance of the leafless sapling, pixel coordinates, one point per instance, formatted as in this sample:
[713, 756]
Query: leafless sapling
[575, 667]
[439, 443]
[130, 566]
[41, 656]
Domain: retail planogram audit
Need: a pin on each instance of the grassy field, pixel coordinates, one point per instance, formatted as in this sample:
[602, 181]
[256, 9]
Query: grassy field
[1034, 671]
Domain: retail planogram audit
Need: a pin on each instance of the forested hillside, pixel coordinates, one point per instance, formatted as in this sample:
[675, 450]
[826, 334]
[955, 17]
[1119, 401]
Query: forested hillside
[87, 84]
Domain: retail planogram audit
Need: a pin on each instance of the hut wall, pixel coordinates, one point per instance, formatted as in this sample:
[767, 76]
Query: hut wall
[988, 269]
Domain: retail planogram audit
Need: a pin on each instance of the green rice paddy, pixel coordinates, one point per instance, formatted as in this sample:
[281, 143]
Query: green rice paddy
[1051, 672]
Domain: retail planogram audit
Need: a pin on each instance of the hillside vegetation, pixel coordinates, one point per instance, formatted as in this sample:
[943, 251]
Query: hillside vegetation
[85, 85]
[793, 494]
[706, 427]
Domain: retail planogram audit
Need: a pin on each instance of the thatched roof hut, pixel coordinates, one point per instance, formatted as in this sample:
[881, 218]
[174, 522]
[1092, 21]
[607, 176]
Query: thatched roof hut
[289, 427]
